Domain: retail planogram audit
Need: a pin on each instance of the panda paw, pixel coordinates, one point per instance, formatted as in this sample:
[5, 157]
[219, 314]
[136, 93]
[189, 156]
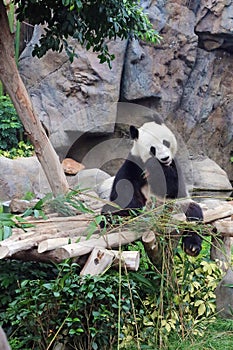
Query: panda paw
[191, 243]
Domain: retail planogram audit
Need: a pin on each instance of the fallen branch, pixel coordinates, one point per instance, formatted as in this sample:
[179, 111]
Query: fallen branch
[112, 240]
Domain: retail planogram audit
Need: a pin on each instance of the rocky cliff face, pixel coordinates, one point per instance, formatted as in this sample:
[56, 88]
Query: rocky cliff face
[187, 79]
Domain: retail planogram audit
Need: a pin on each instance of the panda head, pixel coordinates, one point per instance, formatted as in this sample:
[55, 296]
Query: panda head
[153, 140]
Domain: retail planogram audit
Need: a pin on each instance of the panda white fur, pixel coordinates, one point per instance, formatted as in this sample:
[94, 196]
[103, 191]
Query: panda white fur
[151, 168]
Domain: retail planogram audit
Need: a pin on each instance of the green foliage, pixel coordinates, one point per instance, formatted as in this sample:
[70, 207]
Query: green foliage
[83, 310]
[218, 335]
[15, 272]
[90, 22]
[10, 125]
[70, 203]
[146, 309]
[57, 304]
[11, 131]
[23, 149]
[6, 224]
[183, 302]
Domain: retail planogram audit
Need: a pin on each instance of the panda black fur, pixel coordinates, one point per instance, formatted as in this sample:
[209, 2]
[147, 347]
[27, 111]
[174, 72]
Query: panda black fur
[151, 167]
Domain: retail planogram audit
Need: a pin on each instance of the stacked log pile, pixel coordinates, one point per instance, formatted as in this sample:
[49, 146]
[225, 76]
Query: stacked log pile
[58, 238]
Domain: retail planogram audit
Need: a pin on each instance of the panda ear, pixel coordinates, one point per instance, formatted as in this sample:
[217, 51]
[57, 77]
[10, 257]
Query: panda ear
[133, 132]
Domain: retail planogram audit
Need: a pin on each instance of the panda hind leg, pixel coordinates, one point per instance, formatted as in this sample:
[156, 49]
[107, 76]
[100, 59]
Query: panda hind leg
[191, 241]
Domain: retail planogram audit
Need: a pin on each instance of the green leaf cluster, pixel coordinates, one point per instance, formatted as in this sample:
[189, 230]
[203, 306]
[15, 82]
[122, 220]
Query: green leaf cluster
[10, 124]
[23, 149]
[54, 303]
[6, 224]
[90, 22]
[12, 144]
[144, 308]
[185, 304]
[82, 310]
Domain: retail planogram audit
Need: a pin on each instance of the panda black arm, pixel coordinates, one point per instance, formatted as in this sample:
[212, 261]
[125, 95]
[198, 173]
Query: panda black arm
[126, 190]
[194, 212]
[191, 241]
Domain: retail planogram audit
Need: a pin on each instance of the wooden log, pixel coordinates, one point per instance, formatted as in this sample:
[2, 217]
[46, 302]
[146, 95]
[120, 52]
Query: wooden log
[225, 226]
[129, 259]
[222, 211]
[53, 243]
[152, 248]
[37, 237]
[107, 241]
[17, 243]
[99, 260]
[221, 246]
[62, 219]
[221, 250]
[33, 255]
[74, 226]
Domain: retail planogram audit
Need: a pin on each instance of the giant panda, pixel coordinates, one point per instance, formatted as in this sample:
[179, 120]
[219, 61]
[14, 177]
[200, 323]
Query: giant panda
[151, 169]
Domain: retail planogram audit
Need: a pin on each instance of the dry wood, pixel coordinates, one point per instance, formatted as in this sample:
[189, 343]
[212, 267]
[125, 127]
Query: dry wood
[56, 232]
[20, 234]
[128, 259]
[60, 219]
[225, 226]
[99, 260]
[107, 241]
[24, 241]
[33, 255]
[221, 250]
[222, 211]
[152, 248]
[53, 243]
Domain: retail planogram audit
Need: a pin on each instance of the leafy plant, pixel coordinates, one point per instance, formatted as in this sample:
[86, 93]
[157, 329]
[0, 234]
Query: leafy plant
[183, 301]
[10, 125]
[143, 309]
[90, 22]
[12, 144]
[83, 311]
[6, 223]
[23, 149]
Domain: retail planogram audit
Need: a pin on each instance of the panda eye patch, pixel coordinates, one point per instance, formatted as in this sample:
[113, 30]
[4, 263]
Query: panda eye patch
[166, 143]
[152, 151]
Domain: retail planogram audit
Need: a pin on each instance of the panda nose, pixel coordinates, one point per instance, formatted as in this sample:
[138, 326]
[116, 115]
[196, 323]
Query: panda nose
[164, 159]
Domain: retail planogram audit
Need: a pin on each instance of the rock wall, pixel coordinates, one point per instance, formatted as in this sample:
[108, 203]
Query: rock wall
[187, 79]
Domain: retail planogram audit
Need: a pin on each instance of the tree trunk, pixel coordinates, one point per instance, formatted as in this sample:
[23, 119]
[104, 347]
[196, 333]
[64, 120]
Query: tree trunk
[14, 85]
